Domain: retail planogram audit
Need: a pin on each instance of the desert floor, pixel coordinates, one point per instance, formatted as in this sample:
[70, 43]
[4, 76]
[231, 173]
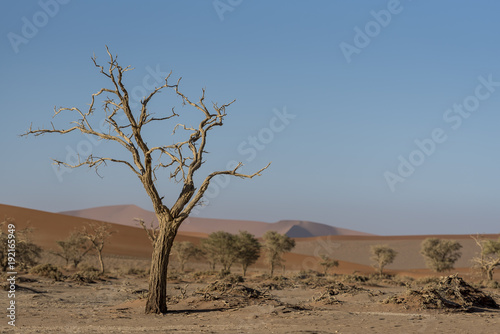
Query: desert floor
[298, 304]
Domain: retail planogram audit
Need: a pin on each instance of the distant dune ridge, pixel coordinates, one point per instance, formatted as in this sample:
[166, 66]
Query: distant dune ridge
[353, 251]
[125, 214]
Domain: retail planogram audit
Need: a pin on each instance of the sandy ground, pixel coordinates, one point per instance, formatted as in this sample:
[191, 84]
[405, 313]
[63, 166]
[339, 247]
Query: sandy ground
[116, 306]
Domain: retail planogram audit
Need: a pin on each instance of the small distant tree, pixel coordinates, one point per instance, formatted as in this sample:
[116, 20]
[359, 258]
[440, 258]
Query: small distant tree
[221, 247]
[73, 249]
[248, 250]
[489, 256]
[97, 234]
[184, 250]
[26, 252]
[210, 253]
[382, 255]
[440, 255]
[327, 263]
[276, 245]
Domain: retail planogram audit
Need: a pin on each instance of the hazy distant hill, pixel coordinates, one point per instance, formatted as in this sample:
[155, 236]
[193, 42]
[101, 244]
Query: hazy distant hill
[125, 214]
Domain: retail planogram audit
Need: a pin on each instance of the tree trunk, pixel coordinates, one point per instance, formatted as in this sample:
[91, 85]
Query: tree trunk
[489, 273]
[157, 296]
[101, 261]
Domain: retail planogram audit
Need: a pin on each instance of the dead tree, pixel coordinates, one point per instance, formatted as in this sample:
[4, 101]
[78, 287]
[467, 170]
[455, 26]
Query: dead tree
[184, 158]
[97, 234]
[489, 256]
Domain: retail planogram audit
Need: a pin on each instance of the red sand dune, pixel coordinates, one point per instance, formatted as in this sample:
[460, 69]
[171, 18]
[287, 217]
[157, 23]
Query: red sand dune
[353, 252]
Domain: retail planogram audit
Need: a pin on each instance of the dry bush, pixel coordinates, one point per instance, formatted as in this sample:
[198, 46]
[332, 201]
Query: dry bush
[427, 280]
[450, 293]
[278, 283]
[137, 272]
[312, 279]
[87, 274]
[355, 278]
[202, 276]
[234, 295]
[48, 270]
[487, 284]
[398, 280]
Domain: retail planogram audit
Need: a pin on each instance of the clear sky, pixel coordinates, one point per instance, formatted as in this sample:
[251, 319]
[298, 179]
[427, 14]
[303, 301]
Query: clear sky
[388, 111]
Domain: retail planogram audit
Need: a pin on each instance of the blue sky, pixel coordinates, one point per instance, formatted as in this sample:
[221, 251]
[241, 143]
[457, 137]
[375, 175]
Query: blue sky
[361, 82]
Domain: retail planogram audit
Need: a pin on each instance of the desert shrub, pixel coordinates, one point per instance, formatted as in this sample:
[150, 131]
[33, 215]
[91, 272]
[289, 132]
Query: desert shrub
[223, 273]
[87, 274]
[449, 293]
[48, 270]
[276, 245]
[27, 252]
[382, 255]
[427, 280]
[487, 284]
[203, 276]
[185, 250]
[234, 278]
[136, 272]
[277, 283]
[173, 275]
[220, 247]
[73, 249]
[311, 278]
[398, 280]
[440, 255]
[327, 263]
[306, 274]
[355, 278]
[248, 250]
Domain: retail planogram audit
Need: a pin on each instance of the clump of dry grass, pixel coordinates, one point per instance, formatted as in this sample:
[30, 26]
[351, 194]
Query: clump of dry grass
[48, 270]
[87, 274]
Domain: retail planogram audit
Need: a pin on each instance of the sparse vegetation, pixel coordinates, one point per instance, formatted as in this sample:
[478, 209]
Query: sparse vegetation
[73, 249]
[382, 255]
[275, 245]
[489, 256]
[48, 270]
[248, 250]
[451, 293]
[221, 247]
[87, 274]
[27, 253]
[185, 250]
[440, 254]
[97, 234]
[327, 263]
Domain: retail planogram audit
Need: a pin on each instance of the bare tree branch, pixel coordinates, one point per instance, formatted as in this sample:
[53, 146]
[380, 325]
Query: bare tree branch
[151, 232]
